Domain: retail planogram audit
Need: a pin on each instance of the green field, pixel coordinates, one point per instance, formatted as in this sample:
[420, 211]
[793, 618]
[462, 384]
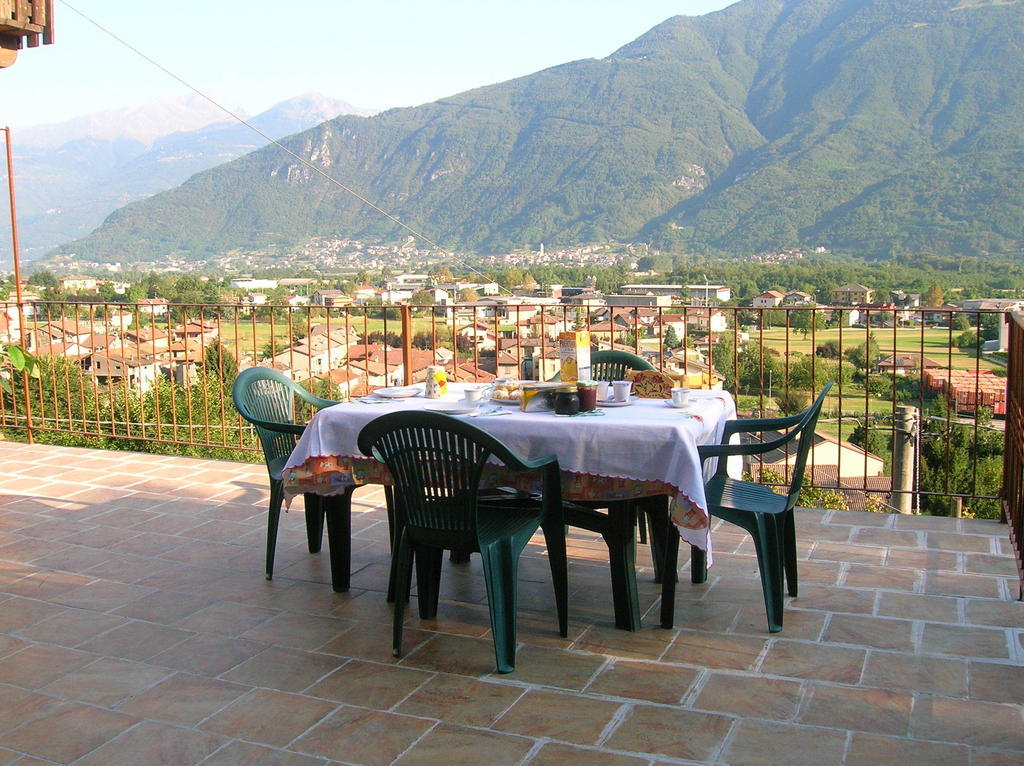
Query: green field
[937, 344]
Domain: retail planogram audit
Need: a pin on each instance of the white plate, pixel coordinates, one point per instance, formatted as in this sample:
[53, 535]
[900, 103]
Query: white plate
[453, 408]
[687, 406]
[398, 392]
[496, 400]
[613, 403]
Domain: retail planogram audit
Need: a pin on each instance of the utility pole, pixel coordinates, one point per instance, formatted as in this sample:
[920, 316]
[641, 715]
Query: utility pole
[904, 440]
[15, 255]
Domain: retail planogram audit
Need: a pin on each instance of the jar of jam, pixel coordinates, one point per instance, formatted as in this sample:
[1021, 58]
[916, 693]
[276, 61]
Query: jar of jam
[588, 395]
[567, 400]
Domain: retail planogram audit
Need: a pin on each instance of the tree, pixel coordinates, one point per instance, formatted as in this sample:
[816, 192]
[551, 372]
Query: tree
[864, 356]
[959, 321]
[805, 321]
[672, 338]
[468, 295]
[221, 363]
[953, 462]
[422, 298]
[828, 350]
[935, 296]
[529, 283]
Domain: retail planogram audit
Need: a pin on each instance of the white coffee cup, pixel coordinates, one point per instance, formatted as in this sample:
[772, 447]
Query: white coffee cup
[602, 390]
[473, 394]
[620, 390]
[680, 397]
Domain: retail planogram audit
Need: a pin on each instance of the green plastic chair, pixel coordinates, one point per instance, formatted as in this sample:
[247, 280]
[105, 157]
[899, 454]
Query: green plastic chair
[266, 398]
[613, 365]
[436, 462]
[765, 514]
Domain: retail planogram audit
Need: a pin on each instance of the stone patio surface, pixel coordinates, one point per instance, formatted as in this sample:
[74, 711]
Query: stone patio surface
[136, 628]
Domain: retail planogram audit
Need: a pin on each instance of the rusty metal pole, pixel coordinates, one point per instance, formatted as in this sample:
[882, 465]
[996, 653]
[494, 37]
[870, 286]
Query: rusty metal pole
[406, 310]
[16, 255]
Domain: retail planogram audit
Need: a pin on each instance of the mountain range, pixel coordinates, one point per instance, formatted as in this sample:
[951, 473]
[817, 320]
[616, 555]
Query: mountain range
[71, 175]
[872, 127]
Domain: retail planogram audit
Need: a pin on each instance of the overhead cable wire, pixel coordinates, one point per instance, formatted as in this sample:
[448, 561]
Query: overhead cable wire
[298, 158]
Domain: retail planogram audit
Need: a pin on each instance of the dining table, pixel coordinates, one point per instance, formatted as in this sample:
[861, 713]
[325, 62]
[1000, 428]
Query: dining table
[618, 454]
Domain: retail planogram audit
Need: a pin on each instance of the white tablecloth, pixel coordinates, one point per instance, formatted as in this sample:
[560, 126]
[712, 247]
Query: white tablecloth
[645, 441]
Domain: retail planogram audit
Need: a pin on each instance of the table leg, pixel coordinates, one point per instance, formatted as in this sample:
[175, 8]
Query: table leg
[314, 505]
[338, 511]
[620, 537]
[669, 576]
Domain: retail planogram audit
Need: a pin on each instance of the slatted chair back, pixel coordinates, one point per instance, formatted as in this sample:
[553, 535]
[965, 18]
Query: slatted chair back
[613, 365]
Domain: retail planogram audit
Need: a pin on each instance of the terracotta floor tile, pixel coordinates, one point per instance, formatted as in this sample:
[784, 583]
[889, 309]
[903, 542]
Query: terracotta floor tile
[715, 650]
[965, 641]
[915, 606]
[960, 543]
[72, 627]
[1008, 614]
[289, 670]
[957, 584]
[797, 659]
[39, 664]
[308, 633]
[207, 655]
[226, 618]
[454, 744]
[20, 706]
[562, 668]
[875, 750]
[461, 700]
[67, 732]
[858, 708]
[804, 624]
[860, 554]
[268, 717]
[649, 643]
[996, 682]
[136, 641]
[46, 585]
[876, 536]
[369, 684]
[106, 681]
[246, 754]
[559, 716]
[835, 599]
[774, 744]
[363, 736]
[981, 563]
[555, 754]
[991, 757]
[749, 696]
[870, 632]
[163, 607]
[452, 654]
[21, 612]
[654, 682]
[888, 578]
[103, 595]
[372, 641]
[934, 675]
[984, 724]
[184, 699]
[671, 732]
[152, 742]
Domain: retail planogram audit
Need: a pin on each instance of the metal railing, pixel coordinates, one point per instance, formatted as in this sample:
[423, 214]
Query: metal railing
[157, 377]
[1013, 456]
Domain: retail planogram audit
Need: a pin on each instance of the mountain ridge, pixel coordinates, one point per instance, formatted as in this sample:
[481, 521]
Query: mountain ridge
[869, 126]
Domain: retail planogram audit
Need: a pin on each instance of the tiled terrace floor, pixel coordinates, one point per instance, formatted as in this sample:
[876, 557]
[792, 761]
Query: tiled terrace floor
[136, 628]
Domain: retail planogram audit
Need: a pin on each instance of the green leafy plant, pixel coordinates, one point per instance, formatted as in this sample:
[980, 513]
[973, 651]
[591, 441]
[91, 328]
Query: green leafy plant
[20, 360]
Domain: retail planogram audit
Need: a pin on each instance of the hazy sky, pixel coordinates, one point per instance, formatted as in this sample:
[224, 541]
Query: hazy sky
[254, 53]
